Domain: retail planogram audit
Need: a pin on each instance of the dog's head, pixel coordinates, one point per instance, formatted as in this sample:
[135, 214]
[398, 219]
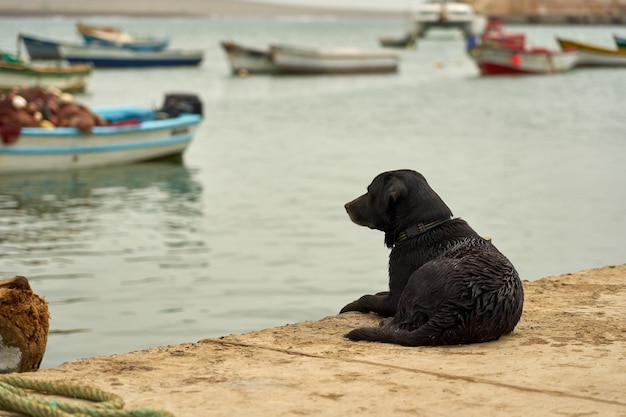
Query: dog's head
[396, 200]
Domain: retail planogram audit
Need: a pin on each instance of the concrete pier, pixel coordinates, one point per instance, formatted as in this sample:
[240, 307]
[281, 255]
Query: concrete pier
[567, 357]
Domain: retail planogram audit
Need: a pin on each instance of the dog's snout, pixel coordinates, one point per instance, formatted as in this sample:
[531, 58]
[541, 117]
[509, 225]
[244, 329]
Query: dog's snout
[353, 212]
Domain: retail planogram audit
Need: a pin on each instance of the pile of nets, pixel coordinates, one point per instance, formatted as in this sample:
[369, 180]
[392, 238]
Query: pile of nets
[45, 107]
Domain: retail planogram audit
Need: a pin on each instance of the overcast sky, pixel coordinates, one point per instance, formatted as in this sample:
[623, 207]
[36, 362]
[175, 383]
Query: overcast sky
[359, 4]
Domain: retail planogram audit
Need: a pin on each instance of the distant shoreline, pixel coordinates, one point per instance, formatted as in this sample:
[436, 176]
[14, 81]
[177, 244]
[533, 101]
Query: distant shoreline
[185, 8]
[237, 9]
[305, 12]
[345, 14]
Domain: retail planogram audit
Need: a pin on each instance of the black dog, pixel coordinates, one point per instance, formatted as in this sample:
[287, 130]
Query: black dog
[447, 284]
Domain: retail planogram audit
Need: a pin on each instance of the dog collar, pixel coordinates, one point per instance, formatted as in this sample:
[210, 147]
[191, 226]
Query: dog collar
[418, 229]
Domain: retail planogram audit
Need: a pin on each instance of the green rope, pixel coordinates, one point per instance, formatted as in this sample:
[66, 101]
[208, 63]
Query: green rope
[19, 395]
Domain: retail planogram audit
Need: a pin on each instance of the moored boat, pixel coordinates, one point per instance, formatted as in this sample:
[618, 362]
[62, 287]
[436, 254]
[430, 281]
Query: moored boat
[591, 55]
[620, 41]
[102, 56]
[444, 14]
[69, 78]
[113, 36]
[408, 41]
[298, 60]
[507, 53]
[494, 60]
[128, 134]
[247, 60]
[39, 48]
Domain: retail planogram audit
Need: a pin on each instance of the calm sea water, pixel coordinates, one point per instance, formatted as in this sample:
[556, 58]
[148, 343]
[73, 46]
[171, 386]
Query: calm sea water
[250, 232]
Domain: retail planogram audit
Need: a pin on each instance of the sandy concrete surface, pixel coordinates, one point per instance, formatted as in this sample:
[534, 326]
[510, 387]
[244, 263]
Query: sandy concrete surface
[190, 8]
[567, 357]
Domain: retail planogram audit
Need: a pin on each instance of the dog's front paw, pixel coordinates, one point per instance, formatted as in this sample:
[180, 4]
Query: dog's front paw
[378, 303]
[353, 306]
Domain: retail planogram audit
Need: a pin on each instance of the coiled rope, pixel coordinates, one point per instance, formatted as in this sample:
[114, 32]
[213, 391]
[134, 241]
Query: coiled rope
[19, 395]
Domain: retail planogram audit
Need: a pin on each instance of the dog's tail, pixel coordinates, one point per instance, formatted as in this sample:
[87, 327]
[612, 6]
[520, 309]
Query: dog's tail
[388, 334]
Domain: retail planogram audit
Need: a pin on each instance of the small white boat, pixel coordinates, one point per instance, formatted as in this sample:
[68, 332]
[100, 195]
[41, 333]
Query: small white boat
[245, 60]
[103, 56]
[133, 134]
[297, 60]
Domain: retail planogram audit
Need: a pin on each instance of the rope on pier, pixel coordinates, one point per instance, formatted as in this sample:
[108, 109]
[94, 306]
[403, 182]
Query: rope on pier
[22, 395]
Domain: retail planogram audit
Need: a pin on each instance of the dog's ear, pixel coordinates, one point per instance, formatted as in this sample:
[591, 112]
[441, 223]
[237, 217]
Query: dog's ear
[396, 190]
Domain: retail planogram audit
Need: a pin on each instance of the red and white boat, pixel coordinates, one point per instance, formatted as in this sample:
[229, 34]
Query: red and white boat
[507, 53]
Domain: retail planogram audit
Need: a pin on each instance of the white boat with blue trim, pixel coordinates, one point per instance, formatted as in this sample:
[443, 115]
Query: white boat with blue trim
[110, 56]
[133, 134]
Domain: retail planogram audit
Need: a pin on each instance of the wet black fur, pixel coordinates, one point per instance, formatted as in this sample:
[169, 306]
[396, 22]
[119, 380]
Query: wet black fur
[447, 285]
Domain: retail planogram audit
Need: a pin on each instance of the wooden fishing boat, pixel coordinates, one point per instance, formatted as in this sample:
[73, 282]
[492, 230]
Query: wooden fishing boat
[297, 60]
[506, 53]
[132, 134]
[113, 36]
[102, 56]
[246, 60]
[70, 78]
[594, 55]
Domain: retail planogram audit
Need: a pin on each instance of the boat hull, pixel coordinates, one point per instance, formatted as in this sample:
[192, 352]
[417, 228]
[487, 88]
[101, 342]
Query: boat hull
[593, 55]
[311, 61]
[39, 149]
[409, 41]
[139, 47]
[497, 60]
[39, 48]
[116, 57]
[249, 60]
[71, 78]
